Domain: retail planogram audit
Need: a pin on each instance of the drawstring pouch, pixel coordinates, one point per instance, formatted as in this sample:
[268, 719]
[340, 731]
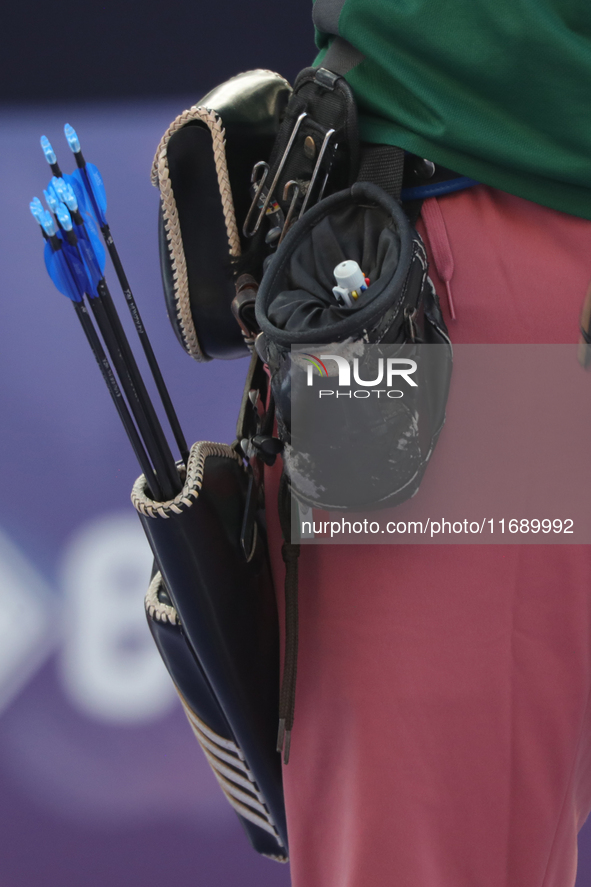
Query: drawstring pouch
[349, 453]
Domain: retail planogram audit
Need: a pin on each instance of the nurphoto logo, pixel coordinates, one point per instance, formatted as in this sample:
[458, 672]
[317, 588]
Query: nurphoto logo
[388, 371]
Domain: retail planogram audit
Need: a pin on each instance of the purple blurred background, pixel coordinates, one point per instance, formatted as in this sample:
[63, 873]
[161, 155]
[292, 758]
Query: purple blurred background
[101, 780]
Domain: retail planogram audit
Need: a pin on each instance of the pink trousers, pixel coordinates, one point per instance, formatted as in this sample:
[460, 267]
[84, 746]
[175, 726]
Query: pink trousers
[442, 731]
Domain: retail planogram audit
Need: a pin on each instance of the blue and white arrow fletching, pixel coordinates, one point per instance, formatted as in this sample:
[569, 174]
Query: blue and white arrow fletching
[88, 183]
[61, 274]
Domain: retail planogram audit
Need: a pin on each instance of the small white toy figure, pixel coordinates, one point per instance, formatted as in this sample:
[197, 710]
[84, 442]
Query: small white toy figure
[351, 282]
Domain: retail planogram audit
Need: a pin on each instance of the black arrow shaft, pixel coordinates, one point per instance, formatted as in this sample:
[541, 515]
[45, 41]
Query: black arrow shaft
[146, 344]
[108, 322]
[136, 402]
[115, 392]
[138, 323]
[138, 384]
[108, 376]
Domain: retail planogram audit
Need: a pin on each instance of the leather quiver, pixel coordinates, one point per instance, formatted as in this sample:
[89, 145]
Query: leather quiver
[212, 612]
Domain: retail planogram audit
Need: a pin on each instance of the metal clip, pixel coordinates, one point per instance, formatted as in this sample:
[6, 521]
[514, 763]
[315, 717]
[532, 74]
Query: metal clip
[290, 212]
[321, 195]
[321, 154]
[294, 132]
[258, 188]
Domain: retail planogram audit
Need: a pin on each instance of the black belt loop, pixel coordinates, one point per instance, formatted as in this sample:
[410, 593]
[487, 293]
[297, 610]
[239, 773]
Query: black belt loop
[382, 165]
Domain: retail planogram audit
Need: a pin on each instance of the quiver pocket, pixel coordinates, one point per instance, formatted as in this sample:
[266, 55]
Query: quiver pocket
[218, 631]
[202, 169]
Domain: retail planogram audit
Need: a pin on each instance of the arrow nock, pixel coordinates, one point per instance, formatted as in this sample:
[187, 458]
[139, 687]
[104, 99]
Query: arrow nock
[64, 217]
[47, 224]
[48, 151]
[58, 186]
[36, 208]
[51, 199]
[72, 138]
[69, 198]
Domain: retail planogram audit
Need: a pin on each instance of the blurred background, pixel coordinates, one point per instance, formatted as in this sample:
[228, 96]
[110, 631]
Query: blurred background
[101, 780]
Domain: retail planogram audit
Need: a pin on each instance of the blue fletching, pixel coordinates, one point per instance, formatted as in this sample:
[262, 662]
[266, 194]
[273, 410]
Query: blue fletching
[90, 223]
[72, 138]
[92, 235]
[78, 268]
[98, 188]
[57, 268]
[47, 223]
[84, 204]
[36, 208]
[48, 150]
[64, 217]
[93, 269]
[51, 199]
[89, 181]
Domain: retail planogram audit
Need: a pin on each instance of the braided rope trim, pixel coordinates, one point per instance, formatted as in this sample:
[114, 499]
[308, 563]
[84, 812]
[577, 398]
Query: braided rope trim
[200, 451]
[161, 179]
[185, 117]
[155, 608]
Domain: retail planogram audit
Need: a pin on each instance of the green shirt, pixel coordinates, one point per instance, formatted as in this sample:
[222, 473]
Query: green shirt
[498, 90]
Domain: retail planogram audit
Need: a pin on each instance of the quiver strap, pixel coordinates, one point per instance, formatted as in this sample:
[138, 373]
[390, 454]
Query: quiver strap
[290, 553]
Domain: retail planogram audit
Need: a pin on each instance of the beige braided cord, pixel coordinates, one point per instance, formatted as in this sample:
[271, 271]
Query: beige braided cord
[200, 451]
[161, 179]
[195, 113]
[214, 124]
[179, 268]
[155, 608]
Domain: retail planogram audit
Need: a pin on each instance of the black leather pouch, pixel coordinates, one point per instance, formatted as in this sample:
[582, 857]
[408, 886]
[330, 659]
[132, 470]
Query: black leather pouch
[202, 169]
[213, 615]
[352, 453]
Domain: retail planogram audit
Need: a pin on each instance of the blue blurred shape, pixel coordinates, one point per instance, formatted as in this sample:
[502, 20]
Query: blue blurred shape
[48, 150]
[72, 138]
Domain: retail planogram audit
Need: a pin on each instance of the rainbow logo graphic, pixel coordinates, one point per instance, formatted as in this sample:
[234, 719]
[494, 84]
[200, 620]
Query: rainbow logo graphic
[316, 362]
